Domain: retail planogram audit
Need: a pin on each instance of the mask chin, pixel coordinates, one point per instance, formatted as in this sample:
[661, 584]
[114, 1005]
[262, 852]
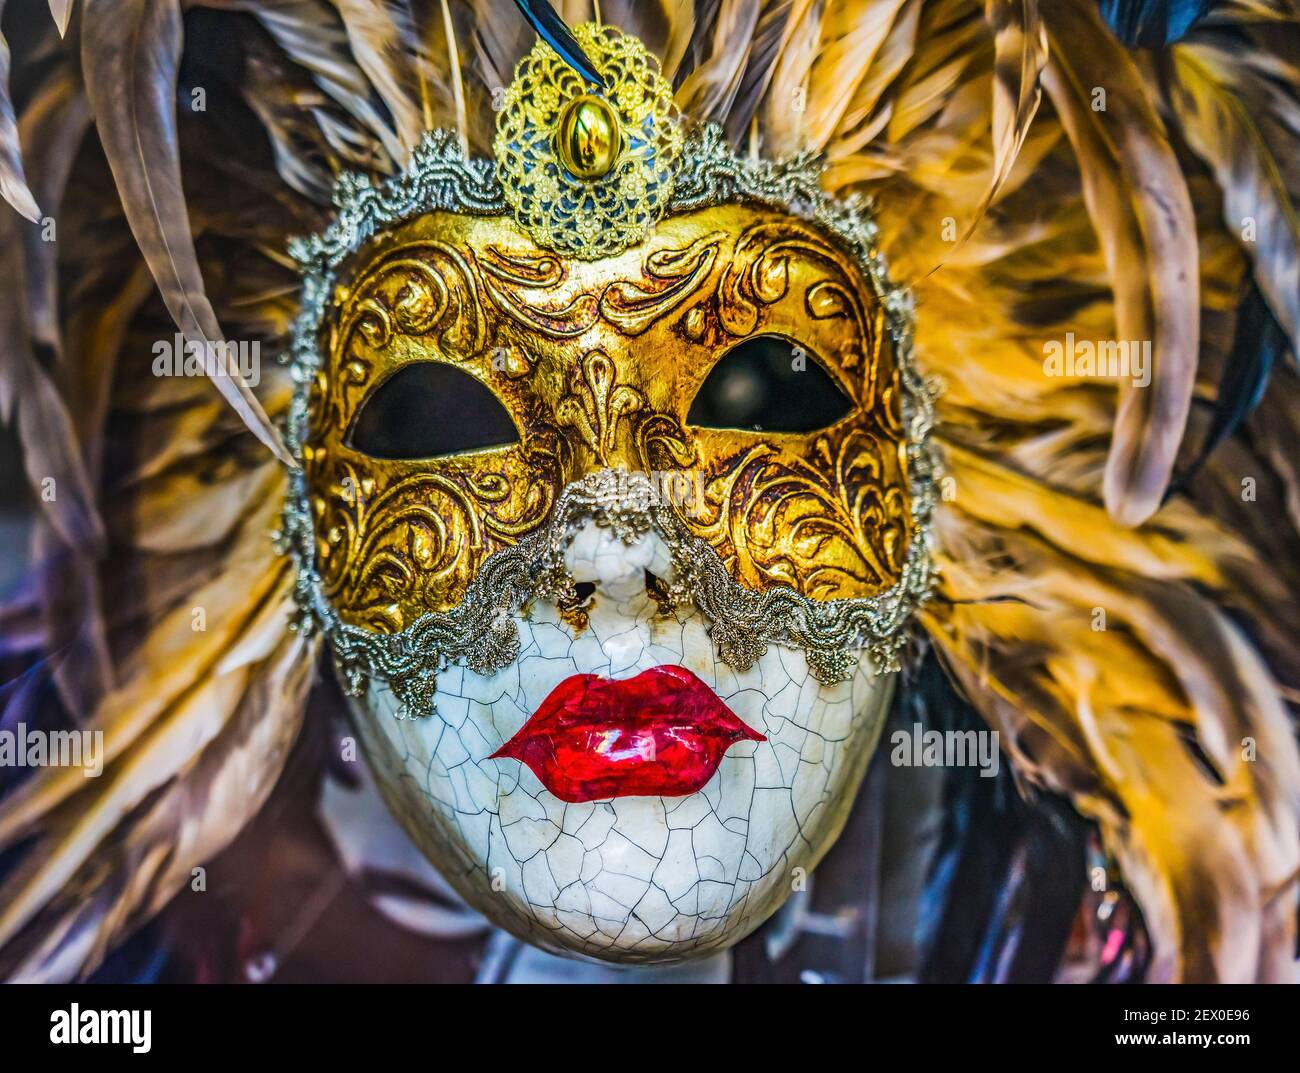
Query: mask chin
[635, 876]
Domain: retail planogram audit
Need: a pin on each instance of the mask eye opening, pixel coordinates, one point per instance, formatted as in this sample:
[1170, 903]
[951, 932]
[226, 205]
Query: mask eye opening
[430, 409]
[770, 383]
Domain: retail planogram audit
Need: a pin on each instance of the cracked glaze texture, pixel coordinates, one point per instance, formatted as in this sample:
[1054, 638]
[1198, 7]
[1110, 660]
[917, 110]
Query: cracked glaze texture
[634, 878]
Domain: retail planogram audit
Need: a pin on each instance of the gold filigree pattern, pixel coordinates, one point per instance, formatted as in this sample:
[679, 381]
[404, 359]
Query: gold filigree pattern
[596, 403]
[830, 524]
[598, 362]
[613, 207]
[428, 289]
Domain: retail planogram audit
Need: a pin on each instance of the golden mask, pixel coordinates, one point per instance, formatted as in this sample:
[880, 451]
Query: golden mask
[595, 365]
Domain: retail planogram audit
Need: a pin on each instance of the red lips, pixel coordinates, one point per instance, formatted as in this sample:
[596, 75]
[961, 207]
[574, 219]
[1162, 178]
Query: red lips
[662, 733]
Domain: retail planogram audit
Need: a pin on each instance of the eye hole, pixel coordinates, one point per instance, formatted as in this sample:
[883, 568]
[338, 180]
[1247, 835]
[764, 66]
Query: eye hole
[769, 384]
[428, 409]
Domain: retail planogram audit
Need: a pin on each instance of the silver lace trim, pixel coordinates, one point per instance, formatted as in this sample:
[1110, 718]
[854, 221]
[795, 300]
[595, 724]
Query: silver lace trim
[481, 632]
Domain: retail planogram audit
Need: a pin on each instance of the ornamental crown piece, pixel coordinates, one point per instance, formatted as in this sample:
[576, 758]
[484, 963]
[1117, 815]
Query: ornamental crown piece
[587, 172]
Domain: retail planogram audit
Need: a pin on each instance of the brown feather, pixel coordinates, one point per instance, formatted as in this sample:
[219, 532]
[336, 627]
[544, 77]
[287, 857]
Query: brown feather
[710, 88]
[1139, 204]
[309, 33]
[1248, 135]
[387, 50]
[30, 399]
[1020, 52]
[54, 125]
[131, 53]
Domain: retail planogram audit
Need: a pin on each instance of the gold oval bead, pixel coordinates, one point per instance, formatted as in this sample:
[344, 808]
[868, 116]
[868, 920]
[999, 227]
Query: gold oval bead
[588, 139]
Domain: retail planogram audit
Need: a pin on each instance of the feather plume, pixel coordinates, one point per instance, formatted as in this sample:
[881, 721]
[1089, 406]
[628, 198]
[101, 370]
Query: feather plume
[30, 398]
[1247, 129]
[383, 40]
[863, 120]
[846, 51]
[551, 28]
[1020, 52]
[664, 26]
[210, 759]
[781, 116]
[54, 125]
[500, 40]
[131, 53]
[926, 107]
[309, 32]
[709, 89]
[769, 37]
[1138, 201]
[457, 84]
[1103, 715]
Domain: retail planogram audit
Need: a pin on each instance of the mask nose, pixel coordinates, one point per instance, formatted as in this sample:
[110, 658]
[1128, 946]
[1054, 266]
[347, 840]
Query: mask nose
[619, 571]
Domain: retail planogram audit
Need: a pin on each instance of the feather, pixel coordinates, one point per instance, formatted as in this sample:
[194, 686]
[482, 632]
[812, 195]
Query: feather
[51, 453]
[54, 124]
[13, 183]
[214, 757]
[707, 92]
[1140, 207]
[1257, 345]
[62, 12]
[72, 596]
[849, 42]
[1020, 52]
[1275, 427]
[131, 53]
[52, 459]
[782, 121]
[1020, 44]
[500, 40]
[769, 38]
[296, 141]
[1248, 134]
[862, 121]
[308, 31]
[663, 26]
[457, 82]
[946, 51]
[384, 44]
[1104, 715]
[551, 29]
[159, 679]
[1152, 23]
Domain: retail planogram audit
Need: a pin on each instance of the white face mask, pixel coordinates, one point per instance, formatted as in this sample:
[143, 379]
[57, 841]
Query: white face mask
[659, 816]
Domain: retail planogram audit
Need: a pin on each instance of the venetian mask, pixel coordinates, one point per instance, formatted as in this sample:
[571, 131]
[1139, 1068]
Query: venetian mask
[613, 505]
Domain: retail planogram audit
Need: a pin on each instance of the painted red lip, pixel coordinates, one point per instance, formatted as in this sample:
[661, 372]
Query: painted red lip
[662, 733]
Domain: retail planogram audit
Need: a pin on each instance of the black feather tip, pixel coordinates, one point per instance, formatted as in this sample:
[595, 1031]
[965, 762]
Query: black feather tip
[551, 29]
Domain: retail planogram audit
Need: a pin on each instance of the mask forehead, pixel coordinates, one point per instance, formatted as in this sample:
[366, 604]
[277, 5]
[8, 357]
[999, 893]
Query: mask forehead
[597, 362]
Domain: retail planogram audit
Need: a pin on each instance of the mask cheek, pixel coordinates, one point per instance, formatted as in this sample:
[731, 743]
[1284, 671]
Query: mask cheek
[826, 513]
[396, 540]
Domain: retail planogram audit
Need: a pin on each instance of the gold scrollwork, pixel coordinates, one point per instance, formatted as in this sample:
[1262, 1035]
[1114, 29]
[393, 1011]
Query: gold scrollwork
[425, 289]
[595, 403]
[830, 525]
[386, 551]
[598, 363]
